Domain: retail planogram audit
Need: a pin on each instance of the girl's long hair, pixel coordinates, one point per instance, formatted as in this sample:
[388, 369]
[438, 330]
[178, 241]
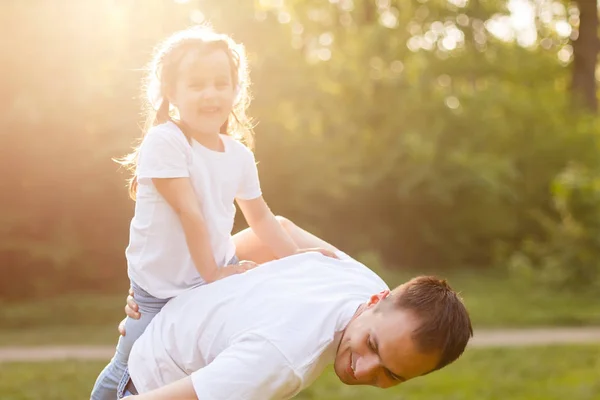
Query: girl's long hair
[162, 76]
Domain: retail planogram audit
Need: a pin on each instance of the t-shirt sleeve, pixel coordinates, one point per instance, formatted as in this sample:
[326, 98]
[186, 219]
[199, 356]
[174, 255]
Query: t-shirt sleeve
[251, 369]
[250, 184]
[164, 153]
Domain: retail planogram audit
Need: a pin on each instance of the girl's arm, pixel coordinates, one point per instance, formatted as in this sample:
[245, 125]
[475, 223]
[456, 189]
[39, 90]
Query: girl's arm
[179, 193]
[265, 226]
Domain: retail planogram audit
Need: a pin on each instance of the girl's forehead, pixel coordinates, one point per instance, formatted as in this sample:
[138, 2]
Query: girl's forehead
[205, 62]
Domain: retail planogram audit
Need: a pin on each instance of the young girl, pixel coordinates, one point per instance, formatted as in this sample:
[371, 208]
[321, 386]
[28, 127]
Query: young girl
[188, 170]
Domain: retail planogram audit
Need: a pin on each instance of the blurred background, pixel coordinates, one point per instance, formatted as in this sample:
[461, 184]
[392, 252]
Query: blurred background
[455, 137]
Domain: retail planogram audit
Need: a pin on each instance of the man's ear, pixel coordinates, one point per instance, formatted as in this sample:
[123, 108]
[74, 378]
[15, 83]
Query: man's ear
[376, 298]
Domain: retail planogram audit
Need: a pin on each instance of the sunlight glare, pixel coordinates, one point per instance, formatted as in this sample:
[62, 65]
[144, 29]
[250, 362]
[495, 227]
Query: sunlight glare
[559, 9]
[449, 43]
[388, 19]
[519, 24]
[452, 102]
[397, 67]
[324, 54]
[414, 43]
[326, 39]
[347, 5]
[522, 15]
[459, 3]
[563, 28]
[284, 17]
[427, 42]
[565, 54]
[500, 27]
[197, 17]
[437, 27]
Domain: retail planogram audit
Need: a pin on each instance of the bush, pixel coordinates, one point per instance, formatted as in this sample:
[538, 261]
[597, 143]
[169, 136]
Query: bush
[569, 254]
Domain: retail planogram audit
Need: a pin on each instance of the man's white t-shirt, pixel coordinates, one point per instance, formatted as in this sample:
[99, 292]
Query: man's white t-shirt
[158, 257]
[264, 334]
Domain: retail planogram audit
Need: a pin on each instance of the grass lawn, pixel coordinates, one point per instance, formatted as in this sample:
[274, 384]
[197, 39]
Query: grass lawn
[549, 373]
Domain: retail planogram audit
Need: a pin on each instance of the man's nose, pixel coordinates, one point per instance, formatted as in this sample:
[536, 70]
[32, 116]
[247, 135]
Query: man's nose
[365, 367]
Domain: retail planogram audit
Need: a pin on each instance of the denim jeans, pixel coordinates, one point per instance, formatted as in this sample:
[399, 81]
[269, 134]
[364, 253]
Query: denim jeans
[126, 386]
[105, 387]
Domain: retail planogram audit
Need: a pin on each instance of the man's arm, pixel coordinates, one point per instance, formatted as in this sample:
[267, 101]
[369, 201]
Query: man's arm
[250, 369]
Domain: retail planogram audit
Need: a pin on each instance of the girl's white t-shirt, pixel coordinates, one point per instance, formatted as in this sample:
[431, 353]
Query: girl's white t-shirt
[158, 257]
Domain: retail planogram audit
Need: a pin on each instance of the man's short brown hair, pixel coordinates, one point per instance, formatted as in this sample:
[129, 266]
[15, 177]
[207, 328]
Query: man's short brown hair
[445, 324]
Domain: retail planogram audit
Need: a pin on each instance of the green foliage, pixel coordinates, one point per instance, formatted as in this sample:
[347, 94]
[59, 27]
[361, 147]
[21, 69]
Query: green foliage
[568, 254]
[371, 132]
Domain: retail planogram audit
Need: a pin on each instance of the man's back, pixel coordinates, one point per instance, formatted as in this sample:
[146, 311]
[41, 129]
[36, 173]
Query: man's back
[271, 330]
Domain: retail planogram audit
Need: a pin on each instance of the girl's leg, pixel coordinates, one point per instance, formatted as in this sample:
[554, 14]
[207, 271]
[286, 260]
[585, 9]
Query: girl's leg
[106, 385]
[250, 247]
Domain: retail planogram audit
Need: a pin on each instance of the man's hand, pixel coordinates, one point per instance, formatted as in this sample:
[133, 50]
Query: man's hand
[325, 252]
[131, 309]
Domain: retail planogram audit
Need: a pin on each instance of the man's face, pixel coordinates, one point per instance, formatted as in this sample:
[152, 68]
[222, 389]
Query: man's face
[377, 349]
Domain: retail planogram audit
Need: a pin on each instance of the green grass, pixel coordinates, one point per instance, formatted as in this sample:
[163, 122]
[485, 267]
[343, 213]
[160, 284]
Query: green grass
[493, 301]
[61, 335]
[70, 319]
[547, 373]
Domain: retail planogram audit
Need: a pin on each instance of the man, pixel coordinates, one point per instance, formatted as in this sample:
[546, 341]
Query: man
[270, 332]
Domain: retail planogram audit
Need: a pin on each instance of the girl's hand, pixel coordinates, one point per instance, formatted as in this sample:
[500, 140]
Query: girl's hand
[325, 252]
[247, 264]
[235, 269]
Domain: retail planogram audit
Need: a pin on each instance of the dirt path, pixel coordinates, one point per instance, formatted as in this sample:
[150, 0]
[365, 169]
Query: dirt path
[482, 338]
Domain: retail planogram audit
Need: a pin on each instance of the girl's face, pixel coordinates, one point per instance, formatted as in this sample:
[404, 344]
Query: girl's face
[204, 91]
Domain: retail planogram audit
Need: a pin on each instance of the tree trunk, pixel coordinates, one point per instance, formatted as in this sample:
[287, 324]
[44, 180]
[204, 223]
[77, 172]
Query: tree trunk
[585, 55]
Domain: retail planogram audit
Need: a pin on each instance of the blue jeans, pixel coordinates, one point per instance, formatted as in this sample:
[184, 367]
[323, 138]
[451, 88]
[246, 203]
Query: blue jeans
[126, 386]
[105, 387]
[108, 381]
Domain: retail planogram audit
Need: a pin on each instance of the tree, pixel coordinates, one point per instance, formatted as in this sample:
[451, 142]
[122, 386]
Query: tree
[585, 51]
